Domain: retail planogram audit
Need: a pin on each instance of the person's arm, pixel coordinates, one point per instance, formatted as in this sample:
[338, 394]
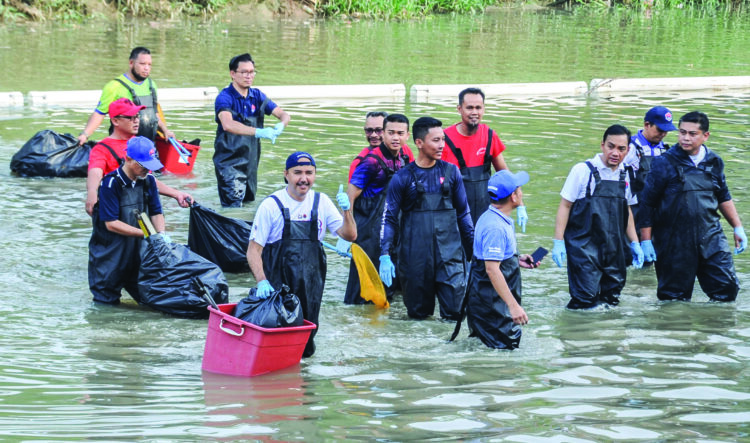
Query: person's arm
[94, 121]
[348, 231]
[281, 115]
[501, 287]
[234, 127]
[93, 180]
[630, 230]
[561, 220]
[729, 211]
[498, 162]
[122, 228]
[163, 126]
[183, 198]
[353, 193]
[255, 260]
[463, 213]
[158, 221]
[391, 212]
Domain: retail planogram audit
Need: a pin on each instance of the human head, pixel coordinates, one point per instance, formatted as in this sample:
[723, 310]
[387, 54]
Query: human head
[143, 152]
[693, 132]
[299, 174]
[615, 144]
[429, 137]
[503, 184]
[140, 63]
[471, 107]
[123, 114]
[396, 132]
[656, 124]
[242, 70]
[374, 127]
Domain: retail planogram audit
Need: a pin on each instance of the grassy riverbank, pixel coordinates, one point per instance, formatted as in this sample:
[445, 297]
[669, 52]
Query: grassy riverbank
[76, 10]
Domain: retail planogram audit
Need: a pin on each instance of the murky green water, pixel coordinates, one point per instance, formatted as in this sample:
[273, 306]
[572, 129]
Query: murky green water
[643, 371]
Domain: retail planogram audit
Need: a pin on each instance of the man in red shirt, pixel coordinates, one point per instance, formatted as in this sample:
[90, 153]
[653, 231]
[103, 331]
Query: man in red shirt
[474, 148]
[374, 135]
[109, 154]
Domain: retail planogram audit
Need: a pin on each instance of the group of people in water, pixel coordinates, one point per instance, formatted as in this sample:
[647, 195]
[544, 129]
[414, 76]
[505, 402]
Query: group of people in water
[439, 225]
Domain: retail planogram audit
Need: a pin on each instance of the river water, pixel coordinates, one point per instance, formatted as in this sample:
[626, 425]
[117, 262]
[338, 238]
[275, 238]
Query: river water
[644, 371]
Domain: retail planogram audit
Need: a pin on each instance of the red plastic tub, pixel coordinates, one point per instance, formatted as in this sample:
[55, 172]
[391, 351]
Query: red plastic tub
[236, 347]
[171, 159]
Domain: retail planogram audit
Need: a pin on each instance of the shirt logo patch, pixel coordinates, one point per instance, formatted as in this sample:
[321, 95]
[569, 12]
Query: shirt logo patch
[252, 108]
[442, 179]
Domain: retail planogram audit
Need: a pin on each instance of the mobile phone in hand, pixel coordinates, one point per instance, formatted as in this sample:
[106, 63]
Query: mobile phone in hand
[539, 254]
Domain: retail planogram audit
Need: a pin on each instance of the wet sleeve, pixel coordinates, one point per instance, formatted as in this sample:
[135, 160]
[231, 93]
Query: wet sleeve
[109, 200]
[389, 223]
[154, 201]
[722, 193]
[463, 213]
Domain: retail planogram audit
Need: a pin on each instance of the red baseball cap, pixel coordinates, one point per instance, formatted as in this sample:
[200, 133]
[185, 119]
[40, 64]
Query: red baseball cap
[124, 106]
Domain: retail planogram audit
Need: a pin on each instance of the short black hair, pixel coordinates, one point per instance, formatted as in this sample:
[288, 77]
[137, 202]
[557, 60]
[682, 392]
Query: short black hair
[469, 91]
[422, 127]
[396, 118]
[237, 59]
[616, 130]
[376, 114]
[138, 50]
[696, 117]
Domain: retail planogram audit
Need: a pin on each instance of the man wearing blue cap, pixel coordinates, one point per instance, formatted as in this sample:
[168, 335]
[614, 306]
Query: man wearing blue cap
[114, 248]
[285, 246]
[493, 295]
[645, 146]
[594, 223]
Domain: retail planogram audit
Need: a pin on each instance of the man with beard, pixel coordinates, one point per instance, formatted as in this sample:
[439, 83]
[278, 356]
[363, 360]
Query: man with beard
[136, 85]
[240, 111]
[593, 225]
[373, 134]
[367, 191]
[114, 248]
[474, 148]
[285, 246]
[109, 154]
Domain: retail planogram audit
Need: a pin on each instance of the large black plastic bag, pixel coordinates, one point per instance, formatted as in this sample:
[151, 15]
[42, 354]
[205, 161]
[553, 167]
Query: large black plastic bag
[222, 240]
[169, 279]
[280, 310]
[49, 154]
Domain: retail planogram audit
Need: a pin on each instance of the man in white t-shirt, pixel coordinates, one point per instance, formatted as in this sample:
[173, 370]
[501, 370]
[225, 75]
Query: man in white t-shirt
[594, 222]
[285, 246]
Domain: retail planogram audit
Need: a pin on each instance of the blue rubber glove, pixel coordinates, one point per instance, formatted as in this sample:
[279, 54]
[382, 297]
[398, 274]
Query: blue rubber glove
[739, 231]
[267, 133]
[342, 247]
[635, 249]
[387, 270]
[648, 250]
[279, 128]
[264, 289]
[343, 199]
[166, 237]
[559, 256]
[523, 217]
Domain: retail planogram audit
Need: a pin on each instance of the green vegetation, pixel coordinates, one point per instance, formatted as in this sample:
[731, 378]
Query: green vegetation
[399, 8]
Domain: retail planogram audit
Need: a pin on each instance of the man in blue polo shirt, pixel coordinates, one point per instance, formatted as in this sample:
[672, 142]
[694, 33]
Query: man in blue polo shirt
[240, 110]
[114, 248]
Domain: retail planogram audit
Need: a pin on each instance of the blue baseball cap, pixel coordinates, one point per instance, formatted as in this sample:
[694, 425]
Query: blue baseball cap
[143, 151]
[661, 117]
[504, 182]
[299, 158]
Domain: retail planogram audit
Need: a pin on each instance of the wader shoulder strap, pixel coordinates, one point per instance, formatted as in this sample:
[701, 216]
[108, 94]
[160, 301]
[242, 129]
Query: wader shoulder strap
[314, 218]
[677, 167]
[456, 153]
[488, 151]
[120, 161]
[445, 188]
[413, 171]
[595, 175]
[134, 97]
[153, 91]
[262, 113]
[287, 219]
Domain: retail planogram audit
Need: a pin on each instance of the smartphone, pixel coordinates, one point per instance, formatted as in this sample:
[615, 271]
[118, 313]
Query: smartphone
[539, 254]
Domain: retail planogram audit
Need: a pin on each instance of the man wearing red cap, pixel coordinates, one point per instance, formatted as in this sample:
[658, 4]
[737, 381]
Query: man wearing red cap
[109, 154]
[136, 85]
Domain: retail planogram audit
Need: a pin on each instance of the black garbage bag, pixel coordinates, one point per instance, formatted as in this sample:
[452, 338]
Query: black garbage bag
[280, 310]
[170, 279]
[49, 154]
[222, 240]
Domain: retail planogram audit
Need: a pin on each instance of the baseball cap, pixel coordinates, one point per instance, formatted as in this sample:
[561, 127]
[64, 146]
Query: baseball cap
[504, 182]
[124, 106]
[299, 158]
[661, 117]
[143, 151]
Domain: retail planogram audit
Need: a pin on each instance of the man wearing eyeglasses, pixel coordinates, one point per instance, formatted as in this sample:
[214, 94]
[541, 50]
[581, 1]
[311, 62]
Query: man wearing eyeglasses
[109, 154]
[373, 134]
[136, 85]
[240, 111]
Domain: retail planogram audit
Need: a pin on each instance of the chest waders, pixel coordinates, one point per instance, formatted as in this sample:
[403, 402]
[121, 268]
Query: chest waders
[689, 240]
[596, 243]
[149, 122]
[475, 178]
[431, 257]
[368, 214]
[114, 259]
[236, 159]
[298, 261]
